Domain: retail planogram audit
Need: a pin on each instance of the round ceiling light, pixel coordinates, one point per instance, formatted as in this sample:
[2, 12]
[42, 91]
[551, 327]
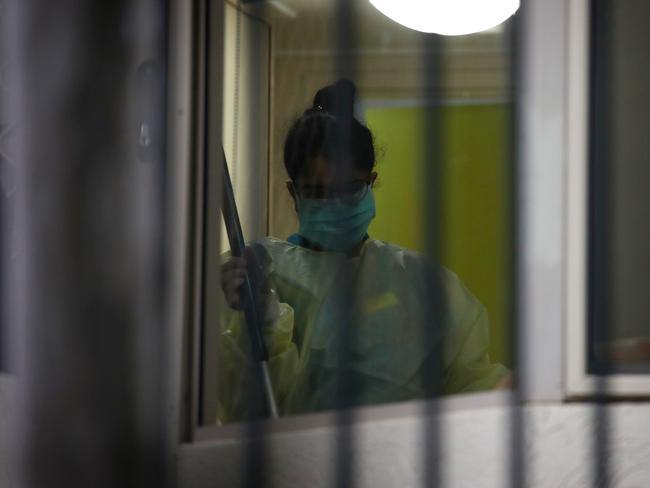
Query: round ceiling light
[447, 17]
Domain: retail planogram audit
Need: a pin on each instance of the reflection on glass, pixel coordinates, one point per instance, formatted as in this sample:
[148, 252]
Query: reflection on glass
[355, 312]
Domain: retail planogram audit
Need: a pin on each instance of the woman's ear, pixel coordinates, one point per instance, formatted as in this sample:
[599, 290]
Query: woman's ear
[373, 178]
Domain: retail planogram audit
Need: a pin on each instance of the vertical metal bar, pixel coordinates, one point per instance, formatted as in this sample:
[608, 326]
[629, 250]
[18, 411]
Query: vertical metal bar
[6, 167]
[599, 259]
[515, 40]
[346, 383]
[433, 181]
[86, 319]
[212, 120]
[4, 261]
[195, 374]
[254, 468]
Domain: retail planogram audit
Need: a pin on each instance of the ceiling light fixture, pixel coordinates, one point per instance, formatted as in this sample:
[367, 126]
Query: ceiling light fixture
[447, 17]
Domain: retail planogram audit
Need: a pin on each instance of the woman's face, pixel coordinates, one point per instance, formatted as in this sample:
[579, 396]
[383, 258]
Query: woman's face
[322, 176]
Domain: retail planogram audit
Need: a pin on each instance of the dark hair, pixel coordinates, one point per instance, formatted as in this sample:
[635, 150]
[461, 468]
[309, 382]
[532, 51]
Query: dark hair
[330, 129]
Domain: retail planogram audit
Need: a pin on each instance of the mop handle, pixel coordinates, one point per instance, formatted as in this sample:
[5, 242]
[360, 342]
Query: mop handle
[249, 289]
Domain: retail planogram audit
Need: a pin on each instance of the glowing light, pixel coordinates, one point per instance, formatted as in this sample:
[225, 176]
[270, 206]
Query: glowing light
[447, 17]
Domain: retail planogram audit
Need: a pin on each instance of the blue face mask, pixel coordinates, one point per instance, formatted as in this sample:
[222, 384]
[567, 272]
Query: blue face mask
[335, 225]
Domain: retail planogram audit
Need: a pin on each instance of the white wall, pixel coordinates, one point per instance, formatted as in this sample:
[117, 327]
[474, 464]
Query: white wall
[475, 451]
[246, 116]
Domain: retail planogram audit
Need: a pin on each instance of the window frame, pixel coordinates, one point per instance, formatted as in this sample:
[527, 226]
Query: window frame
[203, 159]
[552, 123]
[200, 214]
[579, 382]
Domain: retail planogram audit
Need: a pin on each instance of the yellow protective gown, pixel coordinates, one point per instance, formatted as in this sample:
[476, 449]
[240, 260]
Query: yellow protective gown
[396, 332]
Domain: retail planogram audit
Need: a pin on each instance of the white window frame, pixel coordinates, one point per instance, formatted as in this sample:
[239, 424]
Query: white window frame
[541, 197]
[579, 383]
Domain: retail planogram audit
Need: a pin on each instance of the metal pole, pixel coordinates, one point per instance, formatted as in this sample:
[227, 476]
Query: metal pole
[433, 179]
[600, 256]
[259, 352]
[515, 39]
[348, 388]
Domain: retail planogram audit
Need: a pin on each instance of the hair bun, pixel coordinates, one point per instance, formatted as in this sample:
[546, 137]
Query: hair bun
[337, 99]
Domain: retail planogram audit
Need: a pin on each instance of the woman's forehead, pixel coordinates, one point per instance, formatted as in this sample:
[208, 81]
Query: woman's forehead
[321, 172]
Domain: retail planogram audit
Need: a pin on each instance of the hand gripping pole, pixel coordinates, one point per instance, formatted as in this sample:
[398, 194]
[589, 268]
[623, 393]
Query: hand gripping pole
[259, 351]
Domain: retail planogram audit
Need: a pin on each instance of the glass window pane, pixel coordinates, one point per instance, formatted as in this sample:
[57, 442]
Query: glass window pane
[396, 293]
[619, 183]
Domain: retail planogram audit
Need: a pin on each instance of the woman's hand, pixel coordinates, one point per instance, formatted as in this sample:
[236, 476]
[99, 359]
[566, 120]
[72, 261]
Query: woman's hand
[257, 265]
[233, 275]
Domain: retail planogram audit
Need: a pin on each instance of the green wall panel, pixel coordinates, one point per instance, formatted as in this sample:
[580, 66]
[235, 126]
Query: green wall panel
[475, 201]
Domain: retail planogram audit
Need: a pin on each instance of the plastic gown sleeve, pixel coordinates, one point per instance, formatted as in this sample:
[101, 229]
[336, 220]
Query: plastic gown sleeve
[465, 364]
[235, 370]
[469, 367]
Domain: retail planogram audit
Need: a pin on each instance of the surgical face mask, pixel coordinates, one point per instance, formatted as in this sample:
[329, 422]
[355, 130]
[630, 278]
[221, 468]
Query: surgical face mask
[336, 224]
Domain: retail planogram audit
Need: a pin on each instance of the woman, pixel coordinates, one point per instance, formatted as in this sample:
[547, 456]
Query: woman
[348, 320]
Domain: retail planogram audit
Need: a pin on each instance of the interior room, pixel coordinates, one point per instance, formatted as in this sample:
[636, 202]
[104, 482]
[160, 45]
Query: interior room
[314, 243]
